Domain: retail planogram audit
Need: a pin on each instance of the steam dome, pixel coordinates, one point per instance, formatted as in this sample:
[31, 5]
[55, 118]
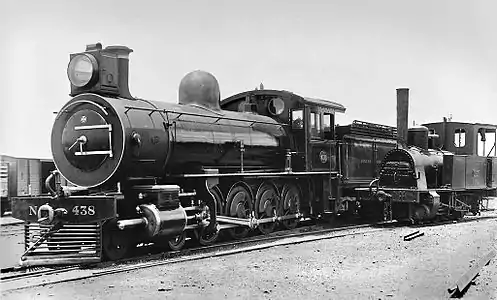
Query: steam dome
[200, 88]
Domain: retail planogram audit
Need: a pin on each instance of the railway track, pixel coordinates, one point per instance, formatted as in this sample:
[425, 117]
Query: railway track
[14, 279]
[23, 273]
[70, 273]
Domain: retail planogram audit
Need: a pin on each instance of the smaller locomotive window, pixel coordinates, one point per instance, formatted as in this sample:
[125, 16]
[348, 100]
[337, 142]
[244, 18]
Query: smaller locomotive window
[486, 142]
[297, 119]
[460, 138]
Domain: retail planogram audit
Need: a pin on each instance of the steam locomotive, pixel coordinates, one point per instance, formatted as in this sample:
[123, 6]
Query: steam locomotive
[146, 171]
[440, 170]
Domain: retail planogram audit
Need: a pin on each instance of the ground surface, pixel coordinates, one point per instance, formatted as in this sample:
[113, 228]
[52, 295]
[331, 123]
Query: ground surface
[372, 266]
[11, 241]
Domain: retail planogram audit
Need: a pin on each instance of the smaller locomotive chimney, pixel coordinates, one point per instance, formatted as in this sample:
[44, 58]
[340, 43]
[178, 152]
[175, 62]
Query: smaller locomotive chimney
[402, 115]
[122, 53]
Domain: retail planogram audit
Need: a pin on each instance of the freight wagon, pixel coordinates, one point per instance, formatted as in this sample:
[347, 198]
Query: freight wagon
[4, 182]
[21, 176]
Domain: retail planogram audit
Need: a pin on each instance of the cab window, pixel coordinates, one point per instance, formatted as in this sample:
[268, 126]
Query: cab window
[486, 142]
[328, 121]
[319, 124]
[314, 129]
[460, 138]
[297, 119]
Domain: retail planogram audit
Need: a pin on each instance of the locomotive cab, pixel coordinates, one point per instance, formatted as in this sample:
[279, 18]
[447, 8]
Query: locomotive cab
[310, 124]
[311, 147]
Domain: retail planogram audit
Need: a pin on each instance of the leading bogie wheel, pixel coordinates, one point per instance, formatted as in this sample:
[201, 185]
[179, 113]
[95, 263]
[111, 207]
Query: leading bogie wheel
[178, 242]
[116, 243]
[206, 238]
[203, 235]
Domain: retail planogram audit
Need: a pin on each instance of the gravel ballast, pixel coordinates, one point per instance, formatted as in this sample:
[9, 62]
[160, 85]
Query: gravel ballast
[378, 265]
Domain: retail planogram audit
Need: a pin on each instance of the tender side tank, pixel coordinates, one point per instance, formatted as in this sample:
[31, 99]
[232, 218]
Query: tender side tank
[96, 139]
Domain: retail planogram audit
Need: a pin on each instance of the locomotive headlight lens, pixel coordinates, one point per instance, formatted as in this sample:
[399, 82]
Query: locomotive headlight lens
[82, 70]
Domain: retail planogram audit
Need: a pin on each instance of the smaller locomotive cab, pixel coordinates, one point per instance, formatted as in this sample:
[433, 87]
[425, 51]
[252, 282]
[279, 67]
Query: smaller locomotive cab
[474, 163]
[465, 138]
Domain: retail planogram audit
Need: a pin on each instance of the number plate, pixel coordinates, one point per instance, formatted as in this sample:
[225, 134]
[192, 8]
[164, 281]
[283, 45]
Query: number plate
[83, 209]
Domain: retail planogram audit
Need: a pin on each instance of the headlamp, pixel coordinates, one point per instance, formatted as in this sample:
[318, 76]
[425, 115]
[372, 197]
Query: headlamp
[82, 69]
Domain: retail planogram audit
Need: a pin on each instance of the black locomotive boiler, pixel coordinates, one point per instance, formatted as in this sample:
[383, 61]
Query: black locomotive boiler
[438, 170]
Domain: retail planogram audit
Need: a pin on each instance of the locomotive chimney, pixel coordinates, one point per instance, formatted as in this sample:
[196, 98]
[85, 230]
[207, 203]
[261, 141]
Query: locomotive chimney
[402, 115]
[123, 66]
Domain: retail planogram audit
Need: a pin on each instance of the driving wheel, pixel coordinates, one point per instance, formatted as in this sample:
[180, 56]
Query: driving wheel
[239, 203]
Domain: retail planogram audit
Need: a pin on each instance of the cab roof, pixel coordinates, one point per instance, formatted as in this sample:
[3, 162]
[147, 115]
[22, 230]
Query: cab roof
[305, 100]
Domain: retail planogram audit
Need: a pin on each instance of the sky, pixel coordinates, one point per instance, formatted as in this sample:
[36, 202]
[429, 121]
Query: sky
[354, 52]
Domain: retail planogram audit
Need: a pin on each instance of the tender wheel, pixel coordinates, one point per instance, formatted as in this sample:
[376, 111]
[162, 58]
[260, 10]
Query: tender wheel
[371, 211]
[456, 215]
[116, 243]
[239, 203]
[266, 204]
[290, 205]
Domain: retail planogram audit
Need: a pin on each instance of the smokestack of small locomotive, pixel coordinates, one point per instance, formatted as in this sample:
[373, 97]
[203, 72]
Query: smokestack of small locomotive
[415, 136]
[402, 115]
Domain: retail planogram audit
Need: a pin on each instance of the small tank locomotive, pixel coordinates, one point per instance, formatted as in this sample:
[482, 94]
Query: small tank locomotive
[438, 170]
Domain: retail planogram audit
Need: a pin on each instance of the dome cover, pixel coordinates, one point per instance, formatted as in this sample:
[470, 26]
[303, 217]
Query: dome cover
[200, 88]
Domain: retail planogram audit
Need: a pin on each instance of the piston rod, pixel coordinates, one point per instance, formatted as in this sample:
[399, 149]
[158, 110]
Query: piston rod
[132, 223]
[253, 223]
